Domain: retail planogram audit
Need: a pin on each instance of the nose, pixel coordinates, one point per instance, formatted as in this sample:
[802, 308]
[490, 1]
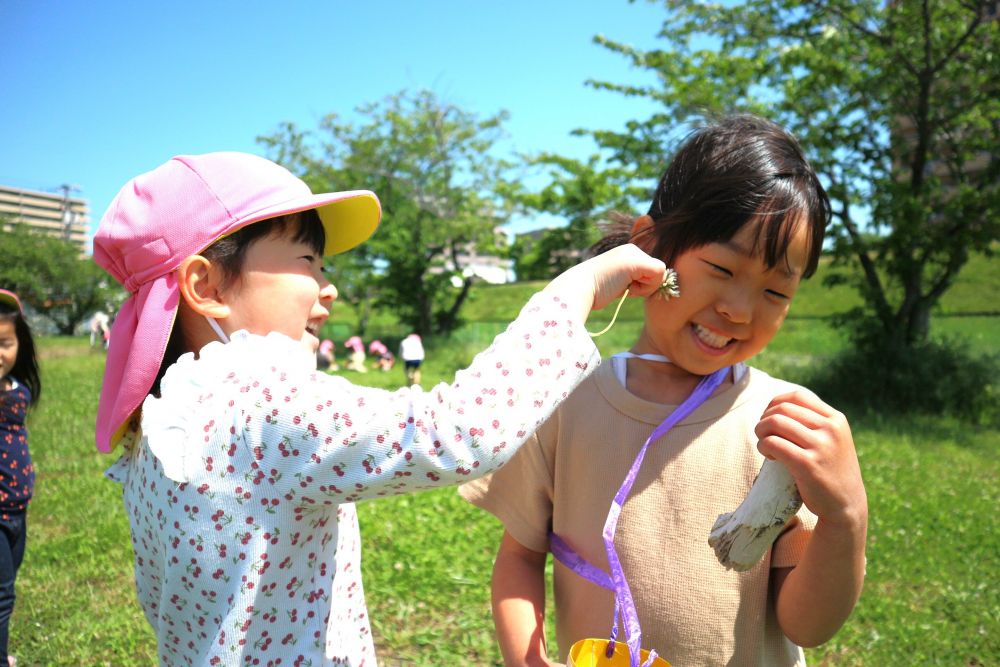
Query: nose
[736, 306]
[327, 292]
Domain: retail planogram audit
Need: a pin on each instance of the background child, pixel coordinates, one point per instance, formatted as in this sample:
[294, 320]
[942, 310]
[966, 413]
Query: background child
[356, 358]
[241, 462]
[100, 331]
[20, 388]
[384, 358]
[740, 215]
[411, 351]
[324, 356]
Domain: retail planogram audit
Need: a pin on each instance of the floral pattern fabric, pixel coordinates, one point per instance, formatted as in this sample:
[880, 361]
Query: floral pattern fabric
[239, 482]
[17, 472]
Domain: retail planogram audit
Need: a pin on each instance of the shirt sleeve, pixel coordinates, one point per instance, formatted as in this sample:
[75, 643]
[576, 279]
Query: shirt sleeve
[327, 440]
[519, 495]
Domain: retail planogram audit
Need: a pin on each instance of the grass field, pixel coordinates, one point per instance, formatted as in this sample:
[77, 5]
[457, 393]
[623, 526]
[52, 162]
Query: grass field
[932, 595]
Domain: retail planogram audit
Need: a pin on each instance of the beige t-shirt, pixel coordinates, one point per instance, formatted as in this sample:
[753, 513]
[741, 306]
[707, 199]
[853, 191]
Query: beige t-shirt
[691, 609]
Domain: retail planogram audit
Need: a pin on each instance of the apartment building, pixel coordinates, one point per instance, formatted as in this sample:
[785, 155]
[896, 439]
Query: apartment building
[53, 213]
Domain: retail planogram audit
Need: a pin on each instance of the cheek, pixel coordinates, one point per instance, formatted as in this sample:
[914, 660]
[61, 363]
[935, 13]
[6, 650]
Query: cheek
[666, 317]
[300, 298]
[306, 297]
[771, 318]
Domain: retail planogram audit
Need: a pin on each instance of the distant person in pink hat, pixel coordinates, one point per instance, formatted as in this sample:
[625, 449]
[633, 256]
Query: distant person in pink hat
[385, 359]
[356, 356]
[240, 463]
[20, 388]
[324, 356]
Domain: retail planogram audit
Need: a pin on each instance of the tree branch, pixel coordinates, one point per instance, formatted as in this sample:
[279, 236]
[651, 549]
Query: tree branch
[861, 251]
[959, 43]
[883, 39]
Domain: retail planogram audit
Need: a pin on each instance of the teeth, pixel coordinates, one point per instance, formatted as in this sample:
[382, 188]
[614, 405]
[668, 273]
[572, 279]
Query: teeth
[709, 338]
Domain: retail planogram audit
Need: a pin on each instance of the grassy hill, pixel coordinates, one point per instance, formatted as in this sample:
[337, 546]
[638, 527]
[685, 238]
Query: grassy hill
[975, 291]
[807, 332]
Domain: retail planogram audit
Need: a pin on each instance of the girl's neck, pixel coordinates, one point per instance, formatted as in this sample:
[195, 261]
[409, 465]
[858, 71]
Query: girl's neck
[657, 381]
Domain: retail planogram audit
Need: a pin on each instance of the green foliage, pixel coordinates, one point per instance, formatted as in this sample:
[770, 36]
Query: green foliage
[930, 378]
[895, 102]
[583, 193]
[432, 166]
[552, 252]
[51, 277]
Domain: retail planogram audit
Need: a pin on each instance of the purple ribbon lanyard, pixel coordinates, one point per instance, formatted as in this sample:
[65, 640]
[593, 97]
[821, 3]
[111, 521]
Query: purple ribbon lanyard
[616, 580]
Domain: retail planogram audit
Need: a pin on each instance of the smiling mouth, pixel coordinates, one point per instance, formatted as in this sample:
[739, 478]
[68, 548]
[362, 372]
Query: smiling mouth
[711, 339]
[313, 328]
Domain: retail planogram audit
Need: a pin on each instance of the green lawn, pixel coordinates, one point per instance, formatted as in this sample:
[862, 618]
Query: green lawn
[932, 596]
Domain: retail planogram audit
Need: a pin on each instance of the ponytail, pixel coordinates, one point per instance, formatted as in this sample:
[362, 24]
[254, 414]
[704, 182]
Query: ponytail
[617, 231]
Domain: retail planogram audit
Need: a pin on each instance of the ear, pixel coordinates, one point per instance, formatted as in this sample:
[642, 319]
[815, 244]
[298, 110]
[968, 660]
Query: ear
[200, 284]
[642, 235]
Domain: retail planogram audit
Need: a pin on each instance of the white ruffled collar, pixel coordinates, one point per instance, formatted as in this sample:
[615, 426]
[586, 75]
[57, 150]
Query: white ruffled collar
[168, 422]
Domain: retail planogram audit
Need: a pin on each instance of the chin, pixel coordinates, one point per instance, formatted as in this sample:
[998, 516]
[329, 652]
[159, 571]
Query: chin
[705, 365]
[310, 342]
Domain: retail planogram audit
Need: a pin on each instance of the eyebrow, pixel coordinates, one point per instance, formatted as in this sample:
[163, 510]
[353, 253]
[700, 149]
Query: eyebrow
[735, 247]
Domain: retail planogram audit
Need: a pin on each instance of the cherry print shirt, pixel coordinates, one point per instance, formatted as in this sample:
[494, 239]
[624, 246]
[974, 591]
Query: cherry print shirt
[240, 483]
[17, 473]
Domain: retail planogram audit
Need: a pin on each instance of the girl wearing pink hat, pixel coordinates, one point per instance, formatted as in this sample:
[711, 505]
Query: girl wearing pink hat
[20, 388]
[324, 356]
[240, 462]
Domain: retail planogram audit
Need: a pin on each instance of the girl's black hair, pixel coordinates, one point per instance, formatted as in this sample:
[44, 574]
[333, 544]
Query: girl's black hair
[229, 254]
[25, 368]
[742, 169]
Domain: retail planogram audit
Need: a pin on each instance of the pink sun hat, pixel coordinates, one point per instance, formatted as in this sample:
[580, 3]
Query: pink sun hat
[8, 297]
[177, 210]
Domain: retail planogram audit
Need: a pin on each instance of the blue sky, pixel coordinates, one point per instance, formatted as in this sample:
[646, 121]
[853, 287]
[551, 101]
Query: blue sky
[97, 92]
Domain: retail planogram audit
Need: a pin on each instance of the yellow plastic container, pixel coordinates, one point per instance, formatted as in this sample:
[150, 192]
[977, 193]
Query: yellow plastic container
[593, 653]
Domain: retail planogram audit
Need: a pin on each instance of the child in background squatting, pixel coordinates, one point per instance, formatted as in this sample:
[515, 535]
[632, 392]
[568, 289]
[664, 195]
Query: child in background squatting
[20, 388]
[241, 462]
[740, 215]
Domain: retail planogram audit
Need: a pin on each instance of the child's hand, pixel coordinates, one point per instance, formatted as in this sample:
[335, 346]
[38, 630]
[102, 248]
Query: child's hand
[814, 442]
[594, 284]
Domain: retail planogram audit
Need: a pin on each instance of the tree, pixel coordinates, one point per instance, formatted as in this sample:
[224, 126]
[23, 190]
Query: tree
[431, 165]
[897, 103]
[49, 274]
[582, 192]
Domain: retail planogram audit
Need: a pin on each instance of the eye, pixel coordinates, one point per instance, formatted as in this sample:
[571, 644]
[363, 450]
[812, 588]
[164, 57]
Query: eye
[721, 270]
[313, 260]
[778, 295]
